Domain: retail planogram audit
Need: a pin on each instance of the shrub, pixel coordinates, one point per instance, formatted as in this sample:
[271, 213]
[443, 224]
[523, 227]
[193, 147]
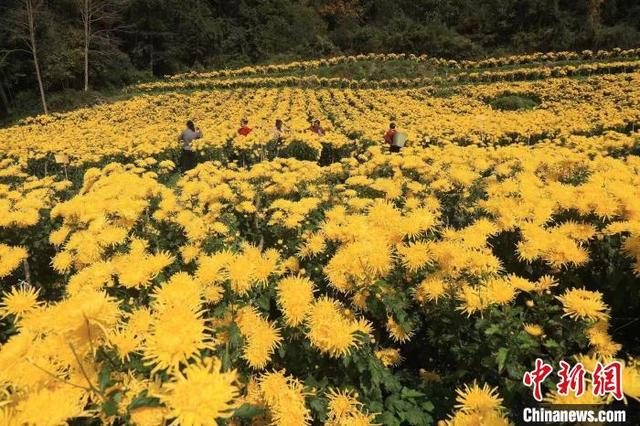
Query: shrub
[514, 102]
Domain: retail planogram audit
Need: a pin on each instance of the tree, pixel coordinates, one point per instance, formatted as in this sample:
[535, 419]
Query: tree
[98, 19]
[593, 13]
[4, 54]
[25, 28]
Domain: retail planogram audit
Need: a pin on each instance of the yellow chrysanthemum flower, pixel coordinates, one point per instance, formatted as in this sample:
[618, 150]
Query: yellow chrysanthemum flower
[330, 331]
[478, 406]
[430, 290]
[295, 295]
[397, 332]
[263, 337]
[546, 282]
[177, 334]
[201, 393]
[472, 300]
[600, 339]
[344, 409]
[415, 255]
[51, 406]
[533, 329]
[389, 357]
[313, 245]
[500, 291]
[19, 301]
[180, 289]
[631, 379]
[476, 398]
[189, 252]
[477, 418]
[583, 304]
[285, 398]
[11, 258]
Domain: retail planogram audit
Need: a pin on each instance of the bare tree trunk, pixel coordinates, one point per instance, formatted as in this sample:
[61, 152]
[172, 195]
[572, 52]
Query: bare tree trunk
[34, 52]
[151, 58]
[40, 84]
[594, 11]
[87, 39]
[8, 88]
[98, 20]
[5, 99]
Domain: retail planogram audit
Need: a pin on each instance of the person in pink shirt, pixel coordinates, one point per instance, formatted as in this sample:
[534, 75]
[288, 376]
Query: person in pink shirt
[316, 128]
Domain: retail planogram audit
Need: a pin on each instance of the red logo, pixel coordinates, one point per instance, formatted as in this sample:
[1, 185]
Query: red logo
[536, 377]
[571, 379]
[606, 379]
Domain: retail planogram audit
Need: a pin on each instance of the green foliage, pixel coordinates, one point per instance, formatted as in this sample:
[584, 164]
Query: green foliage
[514, 102]
[299, 150]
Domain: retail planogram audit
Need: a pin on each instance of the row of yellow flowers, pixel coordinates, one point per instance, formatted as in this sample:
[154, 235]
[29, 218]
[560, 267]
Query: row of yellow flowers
[492, 62]
[512, 74]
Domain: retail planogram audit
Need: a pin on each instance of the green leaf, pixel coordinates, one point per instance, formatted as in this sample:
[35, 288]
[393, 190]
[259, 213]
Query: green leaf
[515, 371]
[388, 419]
[494, 329]
[391, 400]
[110, 407]
[264, 302]
[248, 411]
[415, 416]
[346, 360]
[104, 379]
[410, 393]
[501, 358]
[376, 407]
[428, 406]
[316, 404]
[143, 401]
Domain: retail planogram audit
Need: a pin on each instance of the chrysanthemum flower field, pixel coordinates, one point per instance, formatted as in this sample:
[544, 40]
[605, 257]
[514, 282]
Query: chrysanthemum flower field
[326, 280]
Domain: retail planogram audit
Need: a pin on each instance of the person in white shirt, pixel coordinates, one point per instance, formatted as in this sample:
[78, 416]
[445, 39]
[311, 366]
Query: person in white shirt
[280, 131]
[188, 156]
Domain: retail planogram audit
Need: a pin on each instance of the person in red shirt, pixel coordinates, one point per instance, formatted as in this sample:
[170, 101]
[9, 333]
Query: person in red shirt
[315, 128]
[388, 137]
[244, 129]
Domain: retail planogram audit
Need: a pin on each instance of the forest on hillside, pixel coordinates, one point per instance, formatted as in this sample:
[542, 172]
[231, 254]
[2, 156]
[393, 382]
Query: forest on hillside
[63, 48]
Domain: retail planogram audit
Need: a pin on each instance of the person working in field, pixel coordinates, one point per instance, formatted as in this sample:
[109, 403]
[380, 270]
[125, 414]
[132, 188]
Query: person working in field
[316, 128]
[280, 131]
[188, 156]
[394, 138]
[388, 137]
[244, 129]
